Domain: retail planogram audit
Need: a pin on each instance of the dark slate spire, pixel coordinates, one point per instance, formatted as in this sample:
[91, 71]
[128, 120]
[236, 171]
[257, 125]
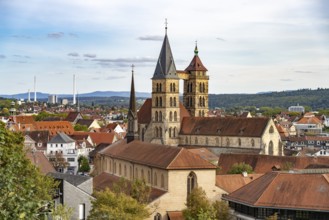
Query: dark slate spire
[165, 67]
[132, 133]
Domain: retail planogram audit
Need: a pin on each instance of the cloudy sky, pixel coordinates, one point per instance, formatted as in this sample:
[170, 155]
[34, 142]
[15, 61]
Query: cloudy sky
[248, 46]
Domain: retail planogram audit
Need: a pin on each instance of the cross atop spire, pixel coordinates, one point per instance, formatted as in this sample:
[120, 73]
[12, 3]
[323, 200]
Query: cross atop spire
[166, 25]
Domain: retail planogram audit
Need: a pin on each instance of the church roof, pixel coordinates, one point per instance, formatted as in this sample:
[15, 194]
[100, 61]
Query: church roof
[165, 68]
[243, 127]
[145, 112]
[196, 64]
[156, 155]
[285, 191]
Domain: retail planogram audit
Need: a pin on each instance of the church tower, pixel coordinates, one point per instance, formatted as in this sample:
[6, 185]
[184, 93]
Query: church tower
[195, 97]
[132, 133]
[165, 98]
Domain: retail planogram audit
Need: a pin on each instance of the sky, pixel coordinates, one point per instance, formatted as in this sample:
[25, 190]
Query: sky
[248, 46]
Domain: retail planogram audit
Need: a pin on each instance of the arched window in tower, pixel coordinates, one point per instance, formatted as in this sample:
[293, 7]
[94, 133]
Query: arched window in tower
[227, 142]
[252, 142]
[200, 101]
[239, 142]
[270, 148]
[196, 140]
[200, 87]
[160, 115]
[203, 88]
[200, 114]
[156, 132]
[171, 104]
[160, 102]
[191, 101]
[156, 116]
[125, 170]
[271, 129]
[191, 182]
[160, 132]
[170, 116]
[142, 175]
[160, 87]
[156, 101]
[191, 87]
[175, 132]
[170, 132]
[136, 173]
[171, 87]
[157, 87]
[203, 102]
[175, 116]
[174, 87]
[174, 101]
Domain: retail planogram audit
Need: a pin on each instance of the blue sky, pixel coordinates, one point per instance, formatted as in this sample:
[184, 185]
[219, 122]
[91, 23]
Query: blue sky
[248, 46]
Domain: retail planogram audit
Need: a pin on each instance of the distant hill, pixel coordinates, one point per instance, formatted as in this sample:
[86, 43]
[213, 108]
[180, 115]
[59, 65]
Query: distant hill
[316, 99]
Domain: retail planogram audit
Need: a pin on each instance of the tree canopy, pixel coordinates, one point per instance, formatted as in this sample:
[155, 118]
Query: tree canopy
[24, 192]
[200, 208]
[116, 206]
[83, 164]
[239, 168]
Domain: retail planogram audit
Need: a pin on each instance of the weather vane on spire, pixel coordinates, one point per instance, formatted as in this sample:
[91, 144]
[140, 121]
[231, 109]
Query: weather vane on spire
[166, 25]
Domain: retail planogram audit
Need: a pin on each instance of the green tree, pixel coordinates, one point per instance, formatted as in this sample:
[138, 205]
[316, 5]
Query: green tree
[200, 208]
[83, 164]
[239, 168]
[5, 112]
[118, 206]
[62, 212]
[78, 127]
[58, 161]
[24, 192]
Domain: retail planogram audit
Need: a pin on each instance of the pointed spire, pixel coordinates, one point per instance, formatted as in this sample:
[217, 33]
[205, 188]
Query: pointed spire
[132, 101]
[196, 64]
[165, 67]
[132, 133]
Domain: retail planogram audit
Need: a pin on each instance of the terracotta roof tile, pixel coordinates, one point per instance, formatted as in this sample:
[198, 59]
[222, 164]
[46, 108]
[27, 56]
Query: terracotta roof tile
[156, 155]
[284, 190]
[40, 161]
[24, 119]
[309, 120]
[54, 127]
[232, 182]
[264, 163]
[175, 215]
[72, 116]
[196, 65]
[245, 127]
[98, 137]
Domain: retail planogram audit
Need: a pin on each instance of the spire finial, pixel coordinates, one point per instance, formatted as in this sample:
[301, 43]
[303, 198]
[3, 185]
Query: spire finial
[132, 68]
[196, 48]
[166, 25]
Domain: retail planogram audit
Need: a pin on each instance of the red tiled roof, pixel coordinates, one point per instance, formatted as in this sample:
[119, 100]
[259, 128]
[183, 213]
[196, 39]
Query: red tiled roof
[40, 161]
[55, 127]
[285, 191]
[232, 182]
[106, 180]
[196, 65]
[264, 163]
[175, 215]
[72, 116]
[245, 127]
[24, 119]
[156, 155]
[309, 120]
[98, 137]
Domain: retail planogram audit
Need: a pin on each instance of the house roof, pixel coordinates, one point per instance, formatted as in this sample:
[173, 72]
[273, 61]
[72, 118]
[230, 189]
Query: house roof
[24, 119]
[196, 64]
[98, 137]
[97, 149]
[285, 191]
[54, 127]
[264, 163]
[156, 155]
[145, 112]
[232, 182]
[38, 136]
[229, 126]
[40, 161]
[75, 180]
[205, 154]
[175, 215]
[61, 138]
[309, 120]
[106, 180]
[86, 122]
[72, 116]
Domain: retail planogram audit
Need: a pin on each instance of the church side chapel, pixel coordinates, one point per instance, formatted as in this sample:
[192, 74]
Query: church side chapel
[159, 135]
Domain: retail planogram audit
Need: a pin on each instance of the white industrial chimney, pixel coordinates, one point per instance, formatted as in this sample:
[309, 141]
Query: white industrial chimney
[35, 91]
[74, 99]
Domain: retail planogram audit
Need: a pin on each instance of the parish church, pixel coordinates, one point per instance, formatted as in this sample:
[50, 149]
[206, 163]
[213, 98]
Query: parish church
[163, 119]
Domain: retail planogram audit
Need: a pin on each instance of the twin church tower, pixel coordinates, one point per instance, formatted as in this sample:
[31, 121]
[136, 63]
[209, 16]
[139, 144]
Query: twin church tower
[159, 119]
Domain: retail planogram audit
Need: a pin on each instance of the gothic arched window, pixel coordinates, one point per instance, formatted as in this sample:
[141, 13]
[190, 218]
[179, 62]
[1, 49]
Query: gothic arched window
[270, 148]
[170, 116]
[252, 142]
[160, 115]
[171, 104]
[175, 116]
[191, 182]
[156, 116]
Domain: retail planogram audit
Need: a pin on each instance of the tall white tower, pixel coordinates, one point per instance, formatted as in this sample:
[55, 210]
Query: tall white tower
[74, 98]
[35, 91]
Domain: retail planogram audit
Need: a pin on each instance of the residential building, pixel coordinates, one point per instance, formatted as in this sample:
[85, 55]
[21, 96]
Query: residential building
[297, 108]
